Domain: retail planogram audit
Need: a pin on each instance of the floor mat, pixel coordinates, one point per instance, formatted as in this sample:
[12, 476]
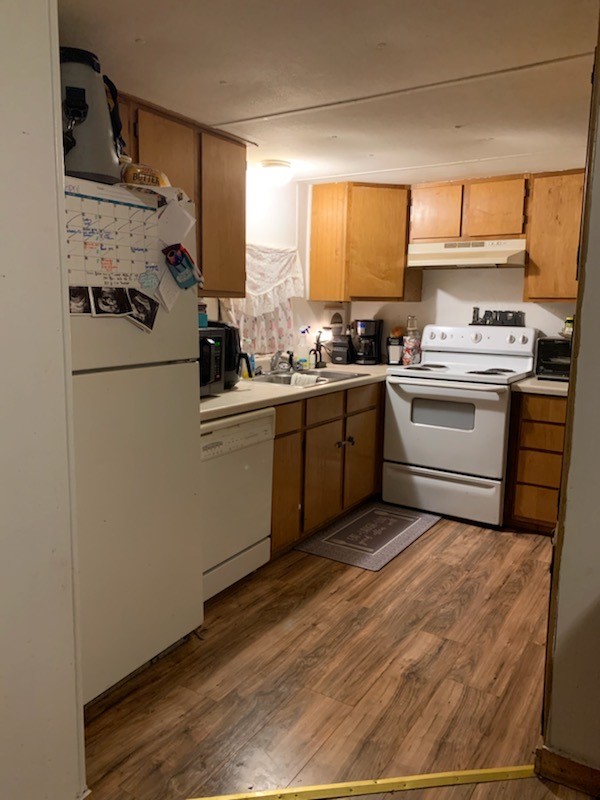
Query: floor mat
[371, 536]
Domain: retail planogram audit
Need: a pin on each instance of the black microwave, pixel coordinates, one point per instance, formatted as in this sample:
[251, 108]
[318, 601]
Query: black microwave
[212, 360]
[553, 358]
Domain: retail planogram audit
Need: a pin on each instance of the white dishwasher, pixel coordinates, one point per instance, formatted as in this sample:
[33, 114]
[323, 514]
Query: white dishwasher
[236, 485]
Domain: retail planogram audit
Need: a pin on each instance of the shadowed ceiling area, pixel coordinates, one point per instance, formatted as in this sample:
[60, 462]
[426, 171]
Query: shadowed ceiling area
[389, 90]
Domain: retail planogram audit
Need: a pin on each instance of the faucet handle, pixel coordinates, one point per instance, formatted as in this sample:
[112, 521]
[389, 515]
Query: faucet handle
[275, 358]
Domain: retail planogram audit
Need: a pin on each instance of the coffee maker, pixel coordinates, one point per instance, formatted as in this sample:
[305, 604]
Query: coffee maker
[341, 350]
[367, 340]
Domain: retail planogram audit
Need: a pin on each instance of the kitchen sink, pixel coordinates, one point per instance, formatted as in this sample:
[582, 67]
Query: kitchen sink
[334, 374]
[276, 377]
[323, 376]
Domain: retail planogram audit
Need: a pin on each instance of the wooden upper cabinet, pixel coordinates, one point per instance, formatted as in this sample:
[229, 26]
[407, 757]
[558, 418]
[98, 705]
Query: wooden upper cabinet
[376, 241]
[436, 212]
[222, 200]
[328, 241]
[494, 208]
[358, 243]
[555, 209]
[169, 146]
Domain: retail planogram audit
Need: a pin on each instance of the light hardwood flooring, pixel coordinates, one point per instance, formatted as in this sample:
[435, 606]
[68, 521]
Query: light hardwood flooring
[311, 671]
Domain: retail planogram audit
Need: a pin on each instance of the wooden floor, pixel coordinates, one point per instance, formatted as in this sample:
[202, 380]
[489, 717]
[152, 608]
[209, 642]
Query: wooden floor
[311, 672]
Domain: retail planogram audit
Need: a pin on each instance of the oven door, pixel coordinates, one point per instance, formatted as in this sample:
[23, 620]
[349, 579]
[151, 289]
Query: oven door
[447, 425]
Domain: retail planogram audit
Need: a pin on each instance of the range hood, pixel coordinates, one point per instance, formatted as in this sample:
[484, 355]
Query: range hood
[486, 253]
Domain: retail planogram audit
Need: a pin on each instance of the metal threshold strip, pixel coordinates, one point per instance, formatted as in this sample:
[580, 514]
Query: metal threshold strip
[326, 791]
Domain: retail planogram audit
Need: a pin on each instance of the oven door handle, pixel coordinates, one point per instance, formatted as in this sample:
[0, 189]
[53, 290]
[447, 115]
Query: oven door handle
[437, 384]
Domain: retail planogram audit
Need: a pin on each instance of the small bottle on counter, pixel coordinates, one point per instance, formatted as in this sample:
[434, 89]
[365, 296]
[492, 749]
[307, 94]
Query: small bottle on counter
[411, 353]
[303, 345]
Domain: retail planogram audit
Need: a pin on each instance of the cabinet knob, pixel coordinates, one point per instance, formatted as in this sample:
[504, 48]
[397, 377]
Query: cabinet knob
[340, 444]
[351, 441]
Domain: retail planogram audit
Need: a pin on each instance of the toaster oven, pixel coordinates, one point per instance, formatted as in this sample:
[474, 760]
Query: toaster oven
[212, 360]
[553, 358]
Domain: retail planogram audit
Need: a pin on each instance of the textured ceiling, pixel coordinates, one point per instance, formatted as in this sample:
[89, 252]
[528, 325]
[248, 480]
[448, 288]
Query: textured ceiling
[466, 84]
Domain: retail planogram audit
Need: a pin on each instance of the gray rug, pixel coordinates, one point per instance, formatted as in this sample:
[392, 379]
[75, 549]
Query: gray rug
[371, 536]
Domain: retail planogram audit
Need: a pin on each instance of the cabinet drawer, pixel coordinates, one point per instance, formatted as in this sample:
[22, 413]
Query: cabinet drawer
[324, 408]
[288, 417]
[542, 469]
[544, 409]
[362, 397]
[535, 503]
[541, 436]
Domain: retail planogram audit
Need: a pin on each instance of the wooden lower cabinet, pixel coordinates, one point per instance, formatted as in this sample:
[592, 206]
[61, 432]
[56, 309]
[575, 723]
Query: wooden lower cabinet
[361, 463]
[327, 459]
[288, 480]
[324, 459]
[535, 462]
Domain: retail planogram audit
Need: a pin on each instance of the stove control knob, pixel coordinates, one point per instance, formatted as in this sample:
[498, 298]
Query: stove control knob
[443, 335]
[510, 339]
[432, 334]
[476, 337]
[523, 339]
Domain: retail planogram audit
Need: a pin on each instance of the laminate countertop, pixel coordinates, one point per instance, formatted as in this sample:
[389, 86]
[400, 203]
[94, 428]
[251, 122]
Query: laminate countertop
[535, 385]
[250, 395]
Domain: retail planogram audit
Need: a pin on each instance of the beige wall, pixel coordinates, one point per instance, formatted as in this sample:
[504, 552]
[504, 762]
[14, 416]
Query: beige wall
[574, 713]
[41, 747]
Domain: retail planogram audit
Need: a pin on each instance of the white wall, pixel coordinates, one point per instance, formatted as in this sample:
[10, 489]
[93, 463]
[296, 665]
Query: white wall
[449, 296]
[41, 742]
[574, 713]
[279, 217]
[270, 212]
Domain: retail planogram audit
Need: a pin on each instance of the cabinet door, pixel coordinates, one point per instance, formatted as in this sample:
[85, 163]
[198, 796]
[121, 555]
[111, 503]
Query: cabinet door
[377, 238]
[288, 471]
[436, 212]
[362, 457]
[328, 242]
[494, 208]
[223, 213]
[323, 473]
[553, 237]
[170, 147]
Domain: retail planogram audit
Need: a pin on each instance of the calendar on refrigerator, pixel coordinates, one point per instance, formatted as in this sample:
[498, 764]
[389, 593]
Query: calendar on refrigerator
[112, 236]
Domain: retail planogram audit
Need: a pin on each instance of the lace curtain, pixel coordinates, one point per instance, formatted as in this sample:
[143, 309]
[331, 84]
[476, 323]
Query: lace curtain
[273, 277]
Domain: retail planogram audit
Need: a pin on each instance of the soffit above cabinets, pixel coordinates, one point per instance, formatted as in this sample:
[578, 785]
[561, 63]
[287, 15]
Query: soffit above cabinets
[293, 75]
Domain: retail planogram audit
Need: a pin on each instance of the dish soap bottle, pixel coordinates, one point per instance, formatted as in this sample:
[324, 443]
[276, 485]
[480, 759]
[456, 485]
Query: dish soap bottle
[412, 343]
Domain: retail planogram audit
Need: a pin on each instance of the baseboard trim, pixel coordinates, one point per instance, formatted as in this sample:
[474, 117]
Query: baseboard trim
[563, 770]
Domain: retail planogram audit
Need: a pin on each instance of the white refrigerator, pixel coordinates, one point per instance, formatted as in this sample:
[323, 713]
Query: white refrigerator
[137, 460]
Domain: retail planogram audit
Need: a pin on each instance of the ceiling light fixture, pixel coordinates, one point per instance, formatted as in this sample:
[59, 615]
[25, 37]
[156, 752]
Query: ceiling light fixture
[276, 173]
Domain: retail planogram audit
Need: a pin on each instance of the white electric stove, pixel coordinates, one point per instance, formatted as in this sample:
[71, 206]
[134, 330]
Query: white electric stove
[446, 423]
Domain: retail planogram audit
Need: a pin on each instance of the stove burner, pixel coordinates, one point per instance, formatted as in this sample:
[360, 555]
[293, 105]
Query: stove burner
[490, 371]
[427, 367]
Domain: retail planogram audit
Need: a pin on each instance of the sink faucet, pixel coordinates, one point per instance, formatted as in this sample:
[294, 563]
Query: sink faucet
[280, 364]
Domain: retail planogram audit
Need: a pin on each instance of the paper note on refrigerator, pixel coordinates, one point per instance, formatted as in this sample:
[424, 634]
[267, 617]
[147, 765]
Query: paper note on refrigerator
[168, 291]
[175, 222]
